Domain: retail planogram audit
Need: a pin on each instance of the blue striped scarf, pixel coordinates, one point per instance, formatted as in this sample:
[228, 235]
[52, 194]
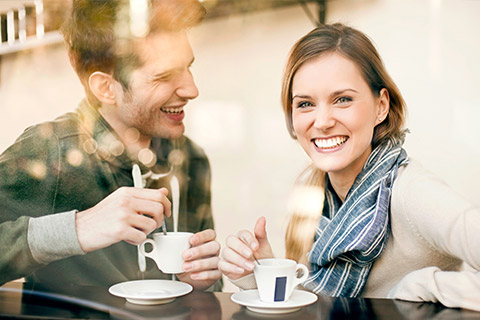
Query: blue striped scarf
[350, 236]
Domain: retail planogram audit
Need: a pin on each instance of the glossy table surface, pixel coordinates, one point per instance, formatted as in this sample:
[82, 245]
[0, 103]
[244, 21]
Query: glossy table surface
[19, 301]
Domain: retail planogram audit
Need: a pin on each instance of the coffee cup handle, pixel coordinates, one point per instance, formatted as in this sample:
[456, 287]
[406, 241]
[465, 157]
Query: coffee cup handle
[304, 276]
[142, 248]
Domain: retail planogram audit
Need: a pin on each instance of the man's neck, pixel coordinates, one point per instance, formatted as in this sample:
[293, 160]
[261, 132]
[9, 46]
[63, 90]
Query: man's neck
[131, 138]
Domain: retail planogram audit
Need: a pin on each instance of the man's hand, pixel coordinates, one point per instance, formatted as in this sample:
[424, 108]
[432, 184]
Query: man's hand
[237, 256]
[127, 214]
[201, 260]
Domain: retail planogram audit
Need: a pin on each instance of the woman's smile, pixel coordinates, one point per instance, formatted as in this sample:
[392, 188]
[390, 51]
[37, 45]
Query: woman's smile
[330, 143]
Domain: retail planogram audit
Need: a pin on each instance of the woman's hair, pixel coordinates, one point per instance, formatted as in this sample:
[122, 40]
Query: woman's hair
[356, 46]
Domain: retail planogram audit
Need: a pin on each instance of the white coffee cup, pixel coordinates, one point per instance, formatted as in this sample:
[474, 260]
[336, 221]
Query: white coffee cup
[276, 278]
[167, 250]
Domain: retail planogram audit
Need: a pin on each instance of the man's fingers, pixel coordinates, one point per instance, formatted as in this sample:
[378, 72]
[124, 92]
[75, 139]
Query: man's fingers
[201, 265]
[152, 209]
[154, 195]
[207, 275]
[202, 237]
[142, 223]
[211, 248]
[134, 236]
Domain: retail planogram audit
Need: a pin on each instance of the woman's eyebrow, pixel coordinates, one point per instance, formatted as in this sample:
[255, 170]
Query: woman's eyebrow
[335, 93]
[339, 92]
[300, 96]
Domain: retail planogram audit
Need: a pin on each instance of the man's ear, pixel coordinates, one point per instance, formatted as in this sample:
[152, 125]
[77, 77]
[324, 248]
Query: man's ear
[102, 86]
[383, 106]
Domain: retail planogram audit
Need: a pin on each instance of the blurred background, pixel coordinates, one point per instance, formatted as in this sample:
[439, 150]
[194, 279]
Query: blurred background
[430, 48]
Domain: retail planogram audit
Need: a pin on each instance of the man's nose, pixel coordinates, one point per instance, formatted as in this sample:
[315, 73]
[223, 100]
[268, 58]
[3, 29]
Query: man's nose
[187, 88]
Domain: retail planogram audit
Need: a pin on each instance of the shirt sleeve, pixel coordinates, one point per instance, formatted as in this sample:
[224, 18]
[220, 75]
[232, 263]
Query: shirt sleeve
[53, 237]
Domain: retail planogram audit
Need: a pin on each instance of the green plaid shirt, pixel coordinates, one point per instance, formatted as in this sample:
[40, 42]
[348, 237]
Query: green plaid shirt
[74, 162]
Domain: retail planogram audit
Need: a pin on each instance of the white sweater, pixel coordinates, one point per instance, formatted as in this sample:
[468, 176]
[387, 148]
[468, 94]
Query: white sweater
[433, 231]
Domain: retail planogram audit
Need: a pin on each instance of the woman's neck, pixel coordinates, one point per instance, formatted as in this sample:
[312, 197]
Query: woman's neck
[341, 185]
[343, 180]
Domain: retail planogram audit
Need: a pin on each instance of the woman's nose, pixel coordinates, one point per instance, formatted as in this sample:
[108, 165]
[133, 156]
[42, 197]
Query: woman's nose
[324, 118]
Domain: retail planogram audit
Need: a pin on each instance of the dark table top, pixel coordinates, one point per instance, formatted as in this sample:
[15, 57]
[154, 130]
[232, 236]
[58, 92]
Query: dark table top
[18, 300]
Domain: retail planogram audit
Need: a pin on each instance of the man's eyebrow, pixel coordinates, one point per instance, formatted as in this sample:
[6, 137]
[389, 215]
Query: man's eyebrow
[172, 70]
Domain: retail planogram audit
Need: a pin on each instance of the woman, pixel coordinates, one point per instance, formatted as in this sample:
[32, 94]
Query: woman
[388, 228]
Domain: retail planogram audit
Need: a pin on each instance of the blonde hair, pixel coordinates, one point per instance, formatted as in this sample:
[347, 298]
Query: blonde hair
[357, 47]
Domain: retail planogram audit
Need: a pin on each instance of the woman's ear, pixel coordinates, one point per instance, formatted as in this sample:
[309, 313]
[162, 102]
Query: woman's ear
[102, 86]
[383, 106]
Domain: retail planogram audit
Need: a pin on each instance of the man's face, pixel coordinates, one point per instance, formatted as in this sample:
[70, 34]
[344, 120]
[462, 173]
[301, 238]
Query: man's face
[159, 89]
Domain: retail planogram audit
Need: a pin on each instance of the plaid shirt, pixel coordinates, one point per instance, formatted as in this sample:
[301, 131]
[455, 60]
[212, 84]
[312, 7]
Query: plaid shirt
[74, 162]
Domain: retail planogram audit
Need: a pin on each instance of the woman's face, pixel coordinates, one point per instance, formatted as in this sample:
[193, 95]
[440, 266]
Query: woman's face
[334, 113]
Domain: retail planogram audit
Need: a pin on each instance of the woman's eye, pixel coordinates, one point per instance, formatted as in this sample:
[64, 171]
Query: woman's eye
[304, 104]
[343, 100]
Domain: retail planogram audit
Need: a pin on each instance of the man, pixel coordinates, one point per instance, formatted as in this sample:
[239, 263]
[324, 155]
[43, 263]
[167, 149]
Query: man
[137, 86]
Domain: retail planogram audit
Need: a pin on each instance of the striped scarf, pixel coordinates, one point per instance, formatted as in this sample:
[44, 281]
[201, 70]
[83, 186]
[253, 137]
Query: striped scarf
[350, 236]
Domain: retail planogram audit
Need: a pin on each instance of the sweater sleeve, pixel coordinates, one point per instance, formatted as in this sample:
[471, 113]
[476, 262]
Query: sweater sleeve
[449, 225]
[245, 283]
[53, 237]
[16, 259]
[452, 289]
[29, 243]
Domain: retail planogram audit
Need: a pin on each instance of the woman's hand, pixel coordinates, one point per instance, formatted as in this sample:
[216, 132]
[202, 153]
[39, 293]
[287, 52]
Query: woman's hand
[237, 259]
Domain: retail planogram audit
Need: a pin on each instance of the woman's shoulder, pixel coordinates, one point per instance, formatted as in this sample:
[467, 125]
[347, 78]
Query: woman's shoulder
[414, 172]
[425, 204]
[417, 184]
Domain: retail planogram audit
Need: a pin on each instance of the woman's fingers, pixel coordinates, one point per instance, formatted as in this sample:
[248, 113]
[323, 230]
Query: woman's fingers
[235, 258]
[249, 239]
[229, 268]
[239, 246]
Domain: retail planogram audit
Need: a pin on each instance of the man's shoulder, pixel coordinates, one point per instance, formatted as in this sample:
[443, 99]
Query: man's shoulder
[194, 150]
[63, 126]
[45, 136]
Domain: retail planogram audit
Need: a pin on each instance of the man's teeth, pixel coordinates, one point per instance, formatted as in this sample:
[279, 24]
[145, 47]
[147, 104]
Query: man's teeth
[172, 110]
[330, 143]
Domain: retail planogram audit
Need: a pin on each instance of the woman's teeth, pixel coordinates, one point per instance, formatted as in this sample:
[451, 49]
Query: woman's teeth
[172, 110]
[330, 143]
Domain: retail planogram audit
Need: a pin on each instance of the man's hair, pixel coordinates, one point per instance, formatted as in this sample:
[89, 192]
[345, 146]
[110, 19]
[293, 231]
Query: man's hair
[98, 37]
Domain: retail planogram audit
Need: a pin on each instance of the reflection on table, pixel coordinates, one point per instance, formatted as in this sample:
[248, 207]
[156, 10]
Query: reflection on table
[22, 301]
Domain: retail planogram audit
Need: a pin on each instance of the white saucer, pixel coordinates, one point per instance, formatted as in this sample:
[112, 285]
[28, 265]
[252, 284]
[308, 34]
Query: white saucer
[148, 292]
[251, 300]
